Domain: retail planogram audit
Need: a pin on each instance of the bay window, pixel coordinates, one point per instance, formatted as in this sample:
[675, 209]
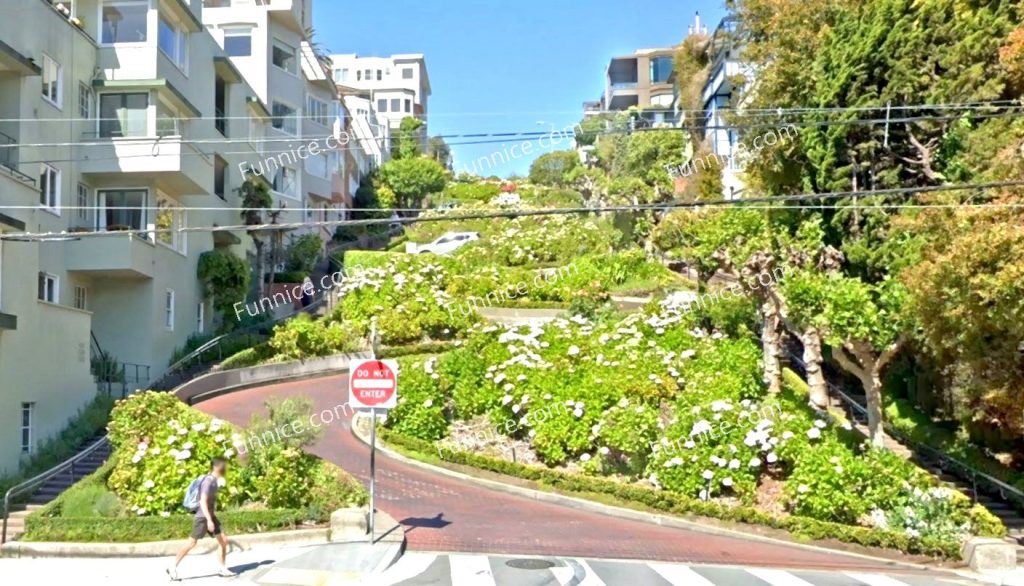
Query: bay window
[121, 209]
[123, 21]
[124, 115]
[173, 41]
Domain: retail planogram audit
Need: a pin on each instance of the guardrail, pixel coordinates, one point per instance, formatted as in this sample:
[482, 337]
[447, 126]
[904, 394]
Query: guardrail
[944, 461]
[35, 482]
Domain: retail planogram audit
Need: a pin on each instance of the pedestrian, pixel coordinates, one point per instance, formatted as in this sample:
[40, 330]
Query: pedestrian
[307, 292]
[205, 521]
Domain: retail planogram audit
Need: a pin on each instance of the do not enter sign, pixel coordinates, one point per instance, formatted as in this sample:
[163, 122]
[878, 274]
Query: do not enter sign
[373, 384]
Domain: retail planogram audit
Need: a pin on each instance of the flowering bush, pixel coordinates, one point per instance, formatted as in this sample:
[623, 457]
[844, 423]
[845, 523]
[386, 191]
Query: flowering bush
[303, 337]
[166, 448]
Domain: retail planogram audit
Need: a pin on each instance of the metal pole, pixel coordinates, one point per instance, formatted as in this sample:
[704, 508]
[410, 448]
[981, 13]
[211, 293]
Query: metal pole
[373, 452]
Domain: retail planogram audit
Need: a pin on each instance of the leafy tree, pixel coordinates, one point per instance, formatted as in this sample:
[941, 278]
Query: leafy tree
[406, 142]
[303, 253]
[554, 168]
[226, 279]
[438, 150]
[256, 202]
[411, 181]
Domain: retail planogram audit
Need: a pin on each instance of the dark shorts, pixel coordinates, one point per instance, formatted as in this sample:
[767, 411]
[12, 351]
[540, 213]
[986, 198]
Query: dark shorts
[200, 530]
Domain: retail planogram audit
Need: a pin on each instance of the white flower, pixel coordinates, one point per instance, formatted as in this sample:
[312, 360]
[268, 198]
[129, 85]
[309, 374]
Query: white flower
[820, 424]
[136, 459]
[165, 514]
[156, 451]
[171, 440]
[532, 433]
[573, 350]
[755, 462]
[199, 427]
[623, 402]
[772, 458]
[689, 444]
[703, 495]
[143, 446]
[547, 396]
[708, 475]
[220, 438]
[787, 435]
[148, 484]
[802, 488]
[141, 511]
[499, 378]
[578, 412]
[509, 387]
[428, 403]
[228, 453]
[188, 446]
[734, 464]
[521, 378]
[506, 399]
[814, 433]
[183, 455]
[515, 408]
[585, 458]
[727, 481]
[839, 469]
[603, 450]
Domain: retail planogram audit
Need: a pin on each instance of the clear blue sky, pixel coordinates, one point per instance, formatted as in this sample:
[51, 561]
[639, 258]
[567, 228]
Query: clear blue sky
[502, 66]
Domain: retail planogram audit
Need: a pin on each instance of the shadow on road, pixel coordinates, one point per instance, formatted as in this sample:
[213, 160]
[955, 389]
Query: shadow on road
[435, 522]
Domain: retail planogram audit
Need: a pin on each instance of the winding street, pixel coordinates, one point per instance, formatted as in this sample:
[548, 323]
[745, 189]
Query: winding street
[441, 514]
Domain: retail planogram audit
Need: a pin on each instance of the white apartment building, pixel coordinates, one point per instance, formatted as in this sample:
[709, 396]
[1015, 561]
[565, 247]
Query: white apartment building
[397, 86]
[725, 54]
[267, 42]
[115, 116]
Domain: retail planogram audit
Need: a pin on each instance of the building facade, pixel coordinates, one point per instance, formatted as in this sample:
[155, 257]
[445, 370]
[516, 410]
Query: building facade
[396, 87]
[117, 115]
[725, 55]
[644, 80]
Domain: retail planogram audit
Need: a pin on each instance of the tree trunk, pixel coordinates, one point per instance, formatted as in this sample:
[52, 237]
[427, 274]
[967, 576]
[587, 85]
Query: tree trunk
[863, 371]
[811, 340]
[874, 395]
[259, 266]
[771, 344]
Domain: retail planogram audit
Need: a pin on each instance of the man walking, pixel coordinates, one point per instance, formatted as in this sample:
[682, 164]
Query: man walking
[205, 521]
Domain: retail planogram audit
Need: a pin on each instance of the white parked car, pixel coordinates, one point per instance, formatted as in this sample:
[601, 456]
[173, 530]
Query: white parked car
[446, 243]
[507, 199]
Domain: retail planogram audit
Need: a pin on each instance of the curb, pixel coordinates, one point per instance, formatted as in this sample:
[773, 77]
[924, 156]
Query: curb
[619, 512]
[43, 549]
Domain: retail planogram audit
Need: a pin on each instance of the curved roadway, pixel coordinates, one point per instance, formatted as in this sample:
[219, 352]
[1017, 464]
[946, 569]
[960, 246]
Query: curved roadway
[442, 514]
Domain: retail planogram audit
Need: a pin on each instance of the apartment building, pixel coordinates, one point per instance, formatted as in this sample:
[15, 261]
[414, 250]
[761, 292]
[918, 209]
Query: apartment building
[725, 53]
[644, 80]
[266, 40]
[116, 116]
[397, 86]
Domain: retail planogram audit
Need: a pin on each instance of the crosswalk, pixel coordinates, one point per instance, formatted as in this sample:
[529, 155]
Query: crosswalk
[420, 569]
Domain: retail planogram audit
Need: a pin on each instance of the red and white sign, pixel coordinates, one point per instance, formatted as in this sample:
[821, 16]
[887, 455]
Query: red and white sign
[373, 384]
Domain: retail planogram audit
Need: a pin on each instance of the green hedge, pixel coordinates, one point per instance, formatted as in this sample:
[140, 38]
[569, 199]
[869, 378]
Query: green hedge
[421, 348]
[678, 504]
[139, 529]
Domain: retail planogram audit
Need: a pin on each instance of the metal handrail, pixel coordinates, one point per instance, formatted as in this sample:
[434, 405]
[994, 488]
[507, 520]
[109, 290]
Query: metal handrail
[34, 482]
[942, 459]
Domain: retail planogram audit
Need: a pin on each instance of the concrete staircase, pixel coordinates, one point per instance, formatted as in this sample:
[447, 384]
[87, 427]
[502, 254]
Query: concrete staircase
[56, 485]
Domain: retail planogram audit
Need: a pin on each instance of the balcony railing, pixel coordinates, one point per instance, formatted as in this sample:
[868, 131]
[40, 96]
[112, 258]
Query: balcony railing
[8, 158]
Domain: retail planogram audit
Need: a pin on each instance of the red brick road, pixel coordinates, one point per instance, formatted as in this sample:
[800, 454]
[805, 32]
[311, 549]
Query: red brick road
[442, 514]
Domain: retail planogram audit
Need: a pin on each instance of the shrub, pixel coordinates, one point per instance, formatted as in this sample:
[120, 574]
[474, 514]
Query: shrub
[248, 357]
[226, 279]
[303, 253]
[290, 276]
[303, 337]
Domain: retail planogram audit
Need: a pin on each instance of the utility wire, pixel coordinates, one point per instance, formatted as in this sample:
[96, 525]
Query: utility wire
[665, 206]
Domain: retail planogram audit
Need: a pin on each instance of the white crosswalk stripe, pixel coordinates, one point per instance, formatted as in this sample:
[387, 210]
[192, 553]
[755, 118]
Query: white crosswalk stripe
[410, 565]
[590, 579]
[875, 579]
[778, 577]
[680, 575]
[471, 570]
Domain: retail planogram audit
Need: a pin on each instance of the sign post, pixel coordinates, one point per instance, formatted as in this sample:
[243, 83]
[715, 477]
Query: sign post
[373, 385]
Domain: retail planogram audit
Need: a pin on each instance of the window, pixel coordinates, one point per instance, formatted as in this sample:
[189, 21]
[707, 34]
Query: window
[220, 99]
[238, 42]
[342, 74]
[52, 86]
[49, 187]
[169, 309]
[121, 209]
[408, 105]
[318, 165]
[48, 288]
[380, 76]
[284, 57]
[285, 183]
[200, 318]
[318, 111]
[382, 105]
[81, 298]
[216, 3]
[27, 412]
[256, 134]
[283, 118]
[167, 121]
[407, 73]
[123, 21]
[82, 201]
[359, 75]
[170, 219]
[396, 105]
[85, 99]
[220, 176]
[173, 41]
[661, 69]
[124, 115]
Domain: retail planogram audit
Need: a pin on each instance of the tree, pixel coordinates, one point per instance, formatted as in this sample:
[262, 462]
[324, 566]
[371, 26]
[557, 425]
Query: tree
[226, 279]
[406, 142]
[412, 180]
[438, 150]
[554, 168]
[256, 201]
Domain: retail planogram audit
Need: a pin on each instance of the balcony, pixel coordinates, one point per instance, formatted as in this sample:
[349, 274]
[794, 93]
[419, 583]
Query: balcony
[9, 159]
[176, 166]
[287, 12]
[125, 256]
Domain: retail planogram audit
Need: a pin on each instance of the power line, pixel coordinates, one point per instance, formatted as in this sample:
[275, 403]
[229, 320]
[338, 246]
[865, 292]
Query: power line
[665, 206]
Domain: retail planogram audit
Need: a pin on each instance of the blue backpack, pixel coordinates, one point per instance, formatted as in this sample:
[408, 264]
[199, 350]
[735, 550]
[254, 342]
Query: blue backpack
[191, 500]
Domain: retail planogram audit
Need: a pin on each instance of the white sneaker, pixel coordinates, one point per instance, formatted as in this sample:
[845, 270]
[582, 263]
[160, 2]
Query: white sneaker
[172, 573]
[226, 573]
